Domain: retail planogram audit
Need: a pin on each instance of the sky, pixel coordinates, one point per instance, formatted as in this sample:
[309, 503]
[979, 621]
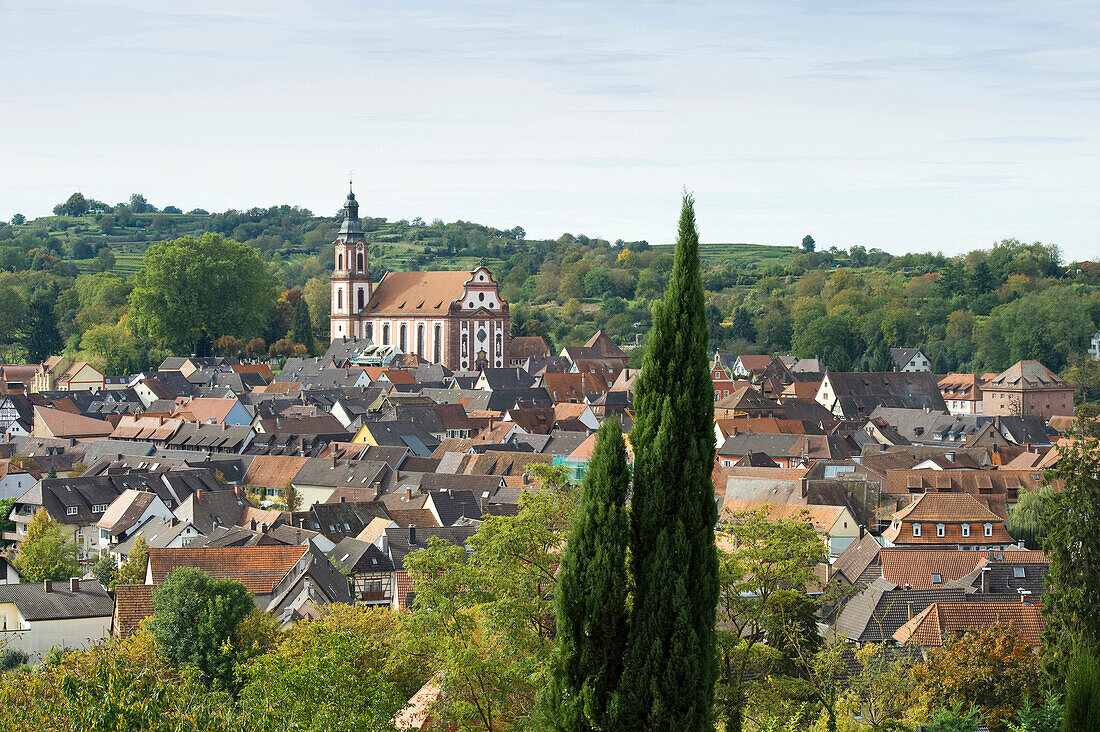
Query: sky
[908, 125]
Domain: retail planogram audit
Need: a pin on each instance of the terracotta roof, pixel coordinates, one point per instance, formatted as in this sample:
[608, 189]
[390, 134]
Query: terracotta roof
[422, 293]
[259, 567]
[957, 507]
[528, 346]
[63, 424]
[133, 603]
[755, 362]
[205, 409]
[416, 713]
[916, 567]
[953, 619]
[1027, 375]
[823, 518]
[273, 471]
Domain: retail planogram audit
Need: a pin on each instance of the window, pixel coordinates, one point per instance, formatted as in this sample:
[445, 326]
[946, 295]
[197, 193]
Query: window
[359, 261]
[936, 578]
[386, 334]
[989, 529]
[71, 511]
[966, 529]
[404, 338]
[438, 344]
[362, 295]
[1018, 572]
[340, 261]
[339, 300]
[420, 341]
[99, 508]
[916, 529]
[939, 530]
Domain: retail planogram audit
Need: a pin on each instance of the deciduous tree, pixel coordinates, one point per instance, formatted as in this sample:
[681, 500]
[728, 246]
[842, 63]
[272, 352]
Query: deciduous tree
[48, 551]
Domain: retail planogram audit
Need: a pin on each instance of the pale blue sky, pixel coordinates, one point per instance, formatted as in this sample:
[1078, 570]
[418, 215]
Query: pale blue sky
[901, 124]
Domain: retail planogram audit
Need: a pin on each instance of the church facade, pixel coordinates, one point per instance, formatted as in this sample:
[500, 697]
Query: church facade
[453, 318]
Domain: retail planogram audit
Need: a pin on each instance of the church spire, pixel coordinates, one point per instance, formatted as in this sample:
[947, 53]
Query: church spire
[351, 227]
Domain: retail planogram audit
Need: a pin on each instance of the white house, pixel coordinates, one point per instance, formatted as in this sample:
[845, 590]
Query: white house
[41, 616]
[910, 360]
[1094, 346]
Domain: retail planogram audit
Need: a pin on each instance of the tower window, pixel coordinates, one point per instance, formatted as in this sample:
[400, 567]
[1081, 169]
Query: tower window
[404, 338]
[339, 300]
[340, 261]
[359, 261]
[362, 293]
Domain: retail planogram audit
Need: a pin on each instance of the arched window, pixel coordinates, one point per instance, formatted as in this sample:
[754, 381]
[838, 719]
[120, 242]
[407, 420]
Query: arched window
[339, 300]
[359, 261]
[340, 261]
[370, 331]
[404, 338]
[420, 341]
[362, 294]
[386, 334]
[439, 344]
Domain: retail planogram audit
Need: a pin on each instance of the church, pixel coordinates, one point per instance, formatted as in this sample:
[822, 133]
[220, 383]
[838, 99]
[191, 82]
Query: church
[452, 318]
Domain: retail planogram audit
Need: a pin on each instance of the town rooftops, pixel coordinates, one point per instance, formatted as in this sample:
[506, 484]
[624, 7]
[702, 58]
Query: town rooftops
[259, 568]
[423, 293]
[61, 601]
[947, 619]
[1027, 375]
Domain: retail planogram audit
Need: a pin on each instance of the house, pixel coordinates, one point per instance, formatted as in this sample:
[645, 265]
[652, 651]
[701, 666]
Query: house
[58, 373]
[15, 481]
[37, 617]
[369, 568]
[721, 379]
[998, 490]
[598, 348]
[212, 411]
[130, 510]
[525, 347]
[836, 525]
[962, 393]
[787, 450]
[1028, 388]
[1094, 346]
[910, 360]
[65, 425]
[398, 543]
[746, 367]
[9, 575]
[397, 434]
[318, 478]
[942, 621]
[856, 395]
[948, 520]
[873, 614]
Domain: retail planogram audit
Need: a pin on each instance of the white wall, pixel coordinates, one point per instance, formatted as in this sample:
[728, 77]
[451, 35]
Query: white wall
[42, 635]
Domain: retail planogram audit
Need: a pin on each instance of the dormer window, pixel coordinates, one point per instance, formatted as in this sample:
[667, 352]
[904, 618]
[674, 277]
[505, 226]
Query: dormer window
[71, 511]
[1018, 572]
[99, 508]
[966, 530]
[940, 530]
[989, 529]
[916, 529]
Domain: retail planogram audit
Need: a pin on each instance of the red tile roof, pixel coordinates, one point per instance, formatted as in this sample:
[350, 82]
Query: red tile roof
[133, 603]
[259, 567]
[953, 619]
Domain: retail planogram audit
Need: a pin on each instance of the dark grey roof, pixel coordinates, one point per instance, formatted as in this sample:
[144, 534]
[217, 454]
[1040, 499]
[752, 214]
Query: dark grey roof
[333, 473]
[402, 541]
[451, 505]
[859, 555]
[902, 356]
[873, 615]
[510, 379]
[337, 521]
[359, 557]
[34, 603]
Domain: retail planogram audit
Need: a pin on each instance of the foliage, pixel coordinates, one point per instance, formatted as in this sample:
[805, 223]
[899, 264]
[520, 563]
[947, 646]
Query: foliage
[133, 570]
[484, 618]
[1045, 716]
[13, 658]
[292, 499]
[992, 669]
[47, 551]
[77, 469]
[1025, 520]
[338, 672]
[194, 621]
[764, 569]
[1073, 545]
[6, 524]
[590, 602]
[191, 291]
[105, 570]
[41, 338]
[668, 681]
[1082, 705]
[954, 719]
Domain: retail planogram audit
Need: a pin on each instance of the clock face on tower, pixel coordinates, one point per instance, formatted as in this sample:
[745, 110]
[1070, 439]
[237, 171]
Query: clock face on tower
[359, 246]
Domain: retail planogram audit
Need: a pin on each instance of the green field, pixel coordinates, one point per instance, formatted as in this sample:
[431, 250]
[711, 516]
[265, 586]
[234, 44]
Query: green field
[740, 254]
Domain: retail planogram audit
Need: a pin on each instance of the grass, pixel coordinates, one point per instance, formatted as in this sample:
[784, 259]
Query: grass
[740, 254]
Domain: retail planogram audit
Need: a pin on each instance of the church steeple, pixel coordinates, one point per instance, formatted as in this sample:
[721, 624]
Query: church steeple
[351, 228]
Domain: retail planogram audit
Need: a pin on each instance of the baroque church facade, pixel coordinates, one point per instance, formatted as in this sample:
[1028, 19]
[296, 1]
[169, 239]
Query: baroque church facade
[457, 319]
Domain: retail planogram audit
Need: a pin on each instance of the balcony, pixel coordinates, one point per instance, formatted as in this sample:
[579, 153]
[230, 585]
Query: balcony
[372, 597]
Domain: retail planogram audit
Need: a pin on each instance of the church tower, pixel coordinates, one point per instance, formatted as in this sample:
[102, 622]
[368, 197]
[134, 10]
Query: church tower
[351, 283]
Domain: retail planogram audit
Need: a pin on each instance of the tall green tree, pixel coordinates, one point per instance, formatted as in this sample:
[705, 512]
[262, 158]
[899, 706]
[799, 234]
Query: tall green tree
[303, 326]
[195, 617]
[1073, 544]
[192, 291]
[668, 681]
[47, 552]
[41, 338]
[1082, 706]
[590, 603]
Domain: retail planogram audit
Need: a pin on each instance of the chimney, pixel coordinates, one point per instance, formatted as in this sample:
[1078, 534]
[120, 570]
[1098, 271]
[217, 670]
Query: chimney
[47, 585]
[985, 578]
[198, 496]
[298, 537]
[74, 584]
[263, 528]
[252, 525]
[333, 462]
[237, 491]
[412, 535]
[909, 607]
[408, 493]
[1025, 595]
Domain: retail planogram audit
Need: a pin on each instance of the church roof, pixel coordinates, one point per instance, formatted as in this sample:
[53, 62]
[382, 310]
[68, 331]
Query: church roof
[417, 293]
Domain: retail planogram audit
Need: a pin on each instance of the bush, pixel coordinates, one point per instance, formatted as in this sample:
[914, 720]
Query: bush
[13, 658]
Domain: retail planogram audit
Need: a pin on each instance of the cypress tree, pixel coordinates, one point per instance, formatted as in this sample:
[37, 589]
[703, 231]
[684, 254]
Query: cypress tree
[303, 326]
[41, 338]
[668, 680]
[590, 599]
[1081, 712]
